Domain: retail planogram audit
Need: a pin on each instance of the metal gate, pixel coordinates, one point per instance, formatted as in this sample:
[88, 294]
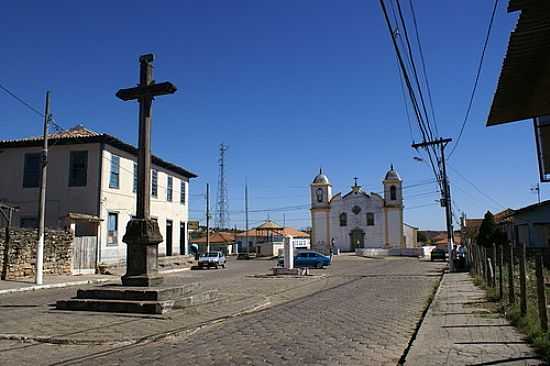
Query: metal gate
[84, 254]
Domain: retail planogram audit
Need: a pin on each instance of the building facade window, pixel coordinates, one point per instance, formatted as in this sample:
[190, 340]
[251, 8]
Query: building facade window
[182, 192]
[135, 183]
[154, 183]
[112, 228]
[31, 170]
[370, 219]
[343, 219]
[393, 193]
[78, 168]
[114, 178]
[169, 189]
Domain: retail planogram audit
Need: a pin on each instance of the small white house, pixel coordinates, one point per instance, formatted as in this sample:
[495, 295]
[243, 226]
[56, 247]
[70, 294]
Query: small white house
[268, 239]
[93, 176]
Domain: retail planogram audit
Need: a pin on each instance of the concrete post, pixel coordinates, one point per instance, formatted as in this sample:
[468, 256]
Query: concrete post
[289, 253]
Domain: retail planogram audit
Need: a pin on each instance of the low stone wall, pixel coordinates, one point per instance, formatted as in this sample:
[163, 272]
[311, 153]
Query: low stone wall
[399, 252]
[372, 252]
[19, 260]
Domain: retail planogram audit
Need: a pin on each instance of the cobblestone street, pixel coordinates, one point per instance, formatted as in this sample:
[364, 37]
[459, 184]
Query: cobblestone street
[358, 311]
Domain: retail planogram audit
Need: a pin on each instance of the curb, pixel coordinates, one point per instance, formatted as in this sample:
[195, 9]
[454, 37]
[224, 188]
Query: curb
[76, 283]
[54, 285]
[175, 270]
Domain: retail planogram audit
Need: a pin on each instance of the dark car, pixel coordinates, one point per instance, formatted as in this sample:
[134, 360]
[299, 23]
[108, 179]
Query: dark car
[309, 259]
[437, 254]
[244, 256]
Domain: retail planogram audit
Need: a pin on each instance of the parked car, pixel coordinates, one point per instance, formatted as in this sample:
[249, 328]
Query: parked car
[244, 255]
[309, 259]
[437, 253]
[212, 259]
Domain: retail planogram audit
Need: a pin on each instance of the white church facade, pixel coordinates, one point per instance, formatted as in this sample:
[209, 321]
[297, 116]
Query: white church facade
[357, 219]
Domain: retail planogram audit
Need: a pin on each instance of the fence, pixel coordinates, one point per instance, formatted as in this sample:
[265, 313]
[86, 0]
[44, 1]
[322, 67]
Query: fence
[517, 276]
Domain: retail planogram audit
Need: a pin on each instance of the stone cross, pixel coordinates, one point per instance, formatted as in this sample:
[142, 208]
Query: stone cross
[355, 179]
[142, 234]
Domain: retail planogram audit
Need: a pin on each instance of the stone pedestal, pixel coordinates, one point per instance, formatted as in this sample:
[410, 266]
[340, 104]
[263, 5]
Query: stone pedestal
[142, 238]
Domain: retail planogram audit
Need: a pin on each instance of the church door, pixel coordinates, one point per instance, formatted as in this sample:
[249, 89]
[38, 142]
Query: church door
[357, 238]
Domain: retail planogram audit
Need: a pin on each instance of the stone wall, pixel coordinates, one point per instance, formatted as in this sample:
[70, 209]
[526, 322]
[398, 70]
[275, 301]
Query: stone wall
[19, 259]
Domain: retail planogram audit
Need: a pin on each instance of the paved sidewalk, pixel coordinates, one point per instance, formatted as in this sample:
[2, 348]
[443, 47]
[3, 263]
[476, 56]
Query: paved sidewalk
[462, 328]
[27, 284]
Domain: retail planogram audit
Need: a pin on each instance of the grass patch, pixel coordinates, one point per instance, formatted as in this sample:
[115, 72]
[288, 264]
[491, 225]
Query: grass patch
[528, 324]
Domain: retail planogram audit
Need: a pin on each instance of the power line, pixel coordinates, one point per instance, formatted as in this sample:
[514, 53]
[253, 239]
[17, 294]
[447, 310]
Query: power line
[21, 100]
[423, 126]
[428, 89]
[476, 81]
[477, 188]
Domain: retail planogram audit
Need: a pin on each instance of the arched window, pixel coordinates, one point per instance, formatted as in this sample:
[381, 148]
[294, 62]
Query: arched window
[319, 195]
[370, 219]
[343, 219]
[393, 193]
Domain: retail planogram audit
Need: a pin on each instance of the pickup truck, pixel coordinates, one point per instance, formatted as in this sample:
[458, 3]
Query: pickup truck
[212, 259]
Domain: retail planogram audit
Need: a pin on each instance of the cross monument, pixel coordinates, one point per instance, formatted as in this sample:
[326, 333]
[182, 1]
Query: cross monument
[142, 233]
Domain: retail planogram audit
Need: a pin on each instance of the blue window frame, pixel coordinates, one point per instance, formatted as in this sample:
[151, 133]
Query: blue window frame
[114, 179]
[135, 184]
[170, 189]
[154, 183]
[112, 228]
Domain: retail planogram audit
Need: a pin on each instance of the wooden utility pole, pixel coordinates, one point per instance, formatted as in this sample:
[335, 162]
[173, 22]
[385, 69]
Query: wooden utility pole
[7, 213]
[42, 197]
[541, 296]
[142, 233]
[511, 289]
[446, 191]
[207, 218]
[523, 279]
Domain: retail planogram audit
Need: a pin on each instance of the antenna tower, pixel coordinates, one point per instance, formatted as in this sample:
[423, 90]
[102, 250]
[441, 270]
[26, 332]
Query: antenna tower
[222, 202]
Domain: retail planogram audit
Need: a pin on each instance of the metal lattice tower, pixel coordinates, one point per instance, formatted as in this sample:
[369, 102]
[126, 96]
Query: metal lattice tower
[222, 202]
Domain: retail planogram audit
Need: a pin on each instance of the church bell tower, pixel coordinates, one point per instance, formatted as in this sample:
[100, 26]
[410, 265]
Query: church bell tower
[393, 209]
[321, 193]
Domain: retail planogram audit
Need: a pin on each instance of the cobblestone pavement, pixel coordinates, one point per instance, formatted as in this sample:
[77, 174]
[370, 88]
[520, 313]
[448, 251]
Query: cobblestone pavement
[359, 311]
[461, 328]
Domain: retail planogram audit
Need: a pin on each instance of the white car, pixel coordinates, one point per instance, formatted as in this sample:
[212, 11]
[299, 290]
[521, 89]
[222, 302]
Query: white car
[212, 259]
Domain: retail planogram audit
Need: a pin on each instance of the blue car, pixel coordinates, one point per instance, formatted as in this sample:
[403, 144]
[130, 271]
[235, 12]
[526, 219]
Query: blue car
[309, 259]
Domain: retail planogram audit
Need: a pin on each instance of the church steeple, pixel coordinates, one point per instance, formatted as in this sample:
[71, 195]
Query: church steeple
[355, 187]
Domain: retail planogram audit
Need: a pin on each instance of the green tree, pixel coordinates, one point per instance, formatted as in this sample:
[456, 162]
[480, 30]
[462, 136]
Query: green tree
[421, 237]
[487, 230]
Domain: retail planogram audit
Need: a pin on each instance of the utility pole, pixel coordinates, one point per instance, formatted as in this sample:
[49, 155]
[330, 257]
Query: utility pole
[42, 197]
[446, 192]
[246, 216]
[284, 220]
[207, 218]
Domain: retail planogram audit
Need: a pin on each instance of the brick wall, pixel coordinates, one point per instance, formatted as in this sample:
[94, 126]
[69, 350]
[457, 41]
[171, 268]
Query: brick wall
[20, 258]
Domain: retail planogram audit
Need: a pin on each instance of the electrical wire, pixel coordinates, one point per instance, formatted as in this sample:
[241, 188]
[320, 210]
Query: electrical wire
[476, 81]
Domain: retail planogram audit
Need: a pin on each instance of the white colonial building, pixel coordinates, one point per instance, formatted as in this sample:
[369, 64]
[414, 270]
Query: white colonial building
[357, 219]
[91, 188]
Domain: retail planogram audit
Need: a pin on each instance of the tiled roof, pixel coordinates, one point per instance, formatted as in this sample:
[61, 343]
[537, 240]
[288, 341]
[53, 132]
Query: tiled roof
[522, 91]
[217, 238]
[286, 231]
[82, 135]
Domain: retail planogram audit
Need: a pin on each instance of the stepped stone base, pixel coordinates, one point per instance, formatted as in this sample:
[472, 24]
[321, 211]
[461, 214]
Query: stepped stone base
[152, 300]
[281, 271]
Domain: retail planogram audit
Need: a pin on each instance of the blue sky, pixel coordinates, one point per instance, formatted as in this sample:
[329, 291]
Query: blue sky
[288, 85]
